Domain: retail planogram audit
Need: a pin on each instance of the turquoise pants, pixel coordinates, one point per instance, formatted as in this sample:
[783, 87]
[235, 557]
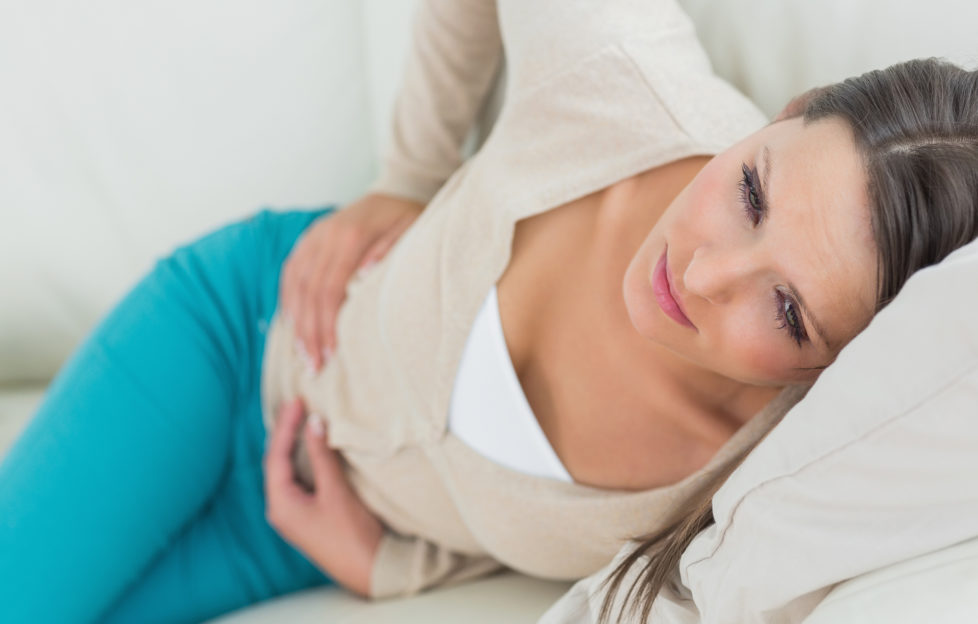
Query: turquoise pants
[135, 493]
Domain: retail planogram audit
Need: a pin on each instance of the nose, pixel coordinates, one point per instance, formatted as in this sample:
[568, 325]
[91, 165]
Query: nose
[716, 274]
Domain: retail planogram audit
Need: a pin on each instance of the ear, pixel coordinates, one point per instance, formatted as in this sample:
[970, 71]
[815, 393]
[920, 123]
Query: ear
[796, 106]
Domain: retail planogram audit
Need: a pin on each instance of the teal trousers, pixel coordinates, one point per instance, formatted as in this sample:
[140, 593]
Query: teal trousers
[135, 492]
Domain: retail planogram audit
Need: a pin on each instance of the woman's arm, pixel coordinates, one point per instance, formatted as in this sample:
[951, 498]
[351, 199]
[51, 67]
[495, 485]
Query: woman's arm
[456, 51]
[407, 565]
[330, 525]
[338, 533]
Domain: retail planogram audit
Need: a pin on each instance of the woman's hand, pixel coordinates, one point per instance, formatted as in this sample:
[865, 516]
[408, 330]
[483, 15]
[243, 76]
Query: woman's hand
[330, 525]
[315, 275]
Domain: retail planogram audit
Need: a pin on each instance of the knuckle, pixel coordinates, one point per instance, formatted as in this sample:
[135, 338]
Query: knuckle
[331, 293]
[318, 283]
[352, 235]
[300, 280]
[309, 334]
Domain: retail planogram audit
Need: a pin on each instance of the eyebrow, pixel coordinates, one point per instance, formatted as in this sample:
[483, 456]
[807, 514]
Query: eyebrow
[795, 294]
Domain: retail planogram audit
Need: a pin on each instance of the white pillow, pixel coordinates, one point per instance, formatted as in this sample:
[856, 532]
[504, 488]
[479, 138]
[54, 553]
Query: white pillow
[876, 465]
[937, 588]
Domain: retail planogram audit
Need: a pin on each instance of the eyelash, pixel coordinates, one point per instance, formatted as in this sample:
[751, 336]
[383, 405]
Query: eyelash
[784, 305]
[748, 189]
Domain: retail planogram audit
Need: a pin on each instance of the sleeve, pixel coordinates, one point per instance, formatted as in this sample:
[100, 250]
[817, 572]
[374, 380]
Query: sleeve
[455, 53]
[408, 565]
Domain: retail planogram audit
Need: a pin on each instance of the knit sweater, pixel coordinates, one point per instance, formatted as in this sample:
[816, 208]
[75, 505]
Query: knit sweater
[597, 91]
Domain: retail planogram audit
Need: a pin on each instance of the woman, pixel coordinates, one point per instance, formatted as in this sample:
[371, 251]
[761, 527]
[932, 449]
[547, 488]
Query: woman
[690, 286]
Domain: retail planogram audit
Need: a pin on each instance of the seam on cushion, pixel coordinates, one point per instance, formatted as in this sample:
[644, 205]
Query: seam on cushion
[971, 367]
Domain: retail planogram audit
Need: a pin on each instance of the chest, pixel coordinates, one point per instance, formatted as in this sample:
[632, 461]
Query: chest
[573, 348]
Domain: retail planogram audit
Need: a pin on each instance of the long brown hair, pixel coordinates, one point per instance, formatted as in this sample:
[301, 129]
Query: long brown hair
[916, 127]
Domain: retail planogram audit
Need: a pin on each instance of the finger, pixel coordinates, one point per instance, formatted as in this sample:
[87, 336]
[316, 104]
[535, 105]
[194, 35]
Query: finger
[333, 291]
[286, 287]
[334, 301]
[307, 313]
[277, 460]
[282, 435]
[379, 249]
[326, 468]
[291, 275]
[299, 276]
[330, 290]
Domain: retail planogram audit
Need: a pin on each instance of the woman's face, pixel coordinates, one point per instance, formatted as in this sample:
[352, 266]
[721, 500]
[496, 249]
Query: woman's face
[764, 266]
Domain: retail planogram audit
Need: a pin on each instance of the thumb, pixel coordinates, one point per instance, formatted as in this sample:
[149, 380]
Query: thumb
[326, 467]
[377, 250]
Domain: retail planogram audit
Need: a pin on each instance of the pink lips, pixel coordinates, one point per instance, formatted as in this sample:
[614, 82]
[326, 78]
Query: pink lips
[666, 295]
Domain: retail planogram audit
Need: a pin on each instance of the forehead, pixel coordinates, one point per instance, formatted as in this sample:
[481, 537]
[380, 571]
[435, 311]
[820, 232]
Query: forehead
[820, 221]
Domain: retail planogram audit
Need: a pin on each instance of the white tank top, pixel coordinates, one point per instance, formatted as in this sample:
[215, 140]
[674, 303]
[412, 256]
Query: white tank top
[488, 410]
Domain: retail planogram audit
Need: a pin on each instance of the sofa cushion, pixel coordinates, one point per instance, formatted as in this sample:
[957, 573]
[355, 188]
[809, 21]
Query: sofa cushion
[17, 404]
[130, 127]
[775, 49]
[508, 597]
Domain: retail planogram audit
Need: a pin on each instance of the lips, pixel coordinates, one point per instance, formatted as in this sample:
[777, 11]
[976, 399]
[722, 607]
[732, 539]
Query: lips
[665, 292]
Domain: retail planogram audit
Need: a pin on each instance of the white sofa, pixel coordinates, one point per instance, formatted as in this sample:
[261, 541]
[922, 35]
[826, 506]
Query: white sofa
[126, 128]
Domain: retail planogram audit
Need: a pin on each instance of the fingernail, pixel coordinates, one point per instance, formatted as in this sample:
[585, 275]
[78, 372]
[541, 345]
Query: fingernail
[365, 268]
[310, 370]
[315, 425]
[327, 355]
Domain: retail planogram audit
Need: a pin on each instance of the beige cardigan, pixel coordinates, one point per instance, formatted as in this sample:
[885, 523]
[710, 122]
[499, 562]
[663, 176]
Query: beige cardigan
[597, 91]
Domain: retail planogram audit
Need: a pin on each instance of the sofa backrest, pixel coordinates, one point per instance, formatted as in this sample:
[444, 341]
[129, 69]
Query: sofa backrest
[127, 128]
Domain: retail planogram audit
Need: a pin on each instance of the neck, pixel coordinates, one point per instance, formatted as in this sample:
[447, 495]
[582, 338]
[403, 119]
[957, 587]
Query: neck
[712, 392]
[704, 403]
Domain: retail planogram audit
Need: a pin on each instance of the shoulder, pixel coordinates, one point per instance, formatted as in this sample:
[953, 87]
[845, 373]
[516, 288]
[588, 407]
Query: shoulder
[600, 56]
[544, 36]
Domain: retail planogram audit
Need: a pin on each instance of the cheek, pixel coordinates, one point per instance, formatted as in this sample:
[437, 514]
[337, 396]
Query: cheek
[754, 350]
